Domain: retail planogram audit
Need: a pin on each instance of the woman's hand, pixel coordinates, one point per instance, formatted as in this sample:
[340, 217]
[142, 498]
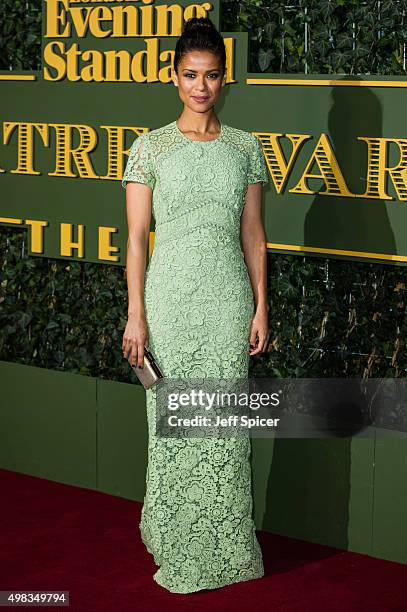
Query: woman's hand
[260, 332]
[134, 338]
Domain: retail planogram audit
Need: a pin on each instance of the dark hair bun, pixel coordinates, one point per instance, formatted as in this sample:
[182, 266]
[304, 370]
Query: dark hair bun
[195, 23]
[200, 34]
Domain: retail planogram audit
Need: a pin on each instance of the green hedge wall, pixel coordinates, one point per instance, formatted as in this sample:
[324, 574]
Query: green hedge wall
[322, 36]
[327, 317]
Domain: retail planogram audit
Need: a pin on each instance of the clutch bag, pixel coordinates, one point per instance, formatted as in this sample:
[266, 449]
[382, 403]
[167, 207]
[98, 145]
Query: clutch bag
[150, 373]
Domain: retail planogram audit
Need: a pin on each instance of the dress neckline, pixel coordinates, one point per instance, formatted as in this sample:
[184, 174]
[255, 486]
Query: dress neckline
[200, 141]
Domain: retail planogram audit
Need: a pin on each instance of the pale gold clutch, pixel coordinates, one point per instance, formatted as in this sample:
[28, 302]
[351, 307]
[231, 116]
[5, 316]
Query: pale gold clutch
[150, 373]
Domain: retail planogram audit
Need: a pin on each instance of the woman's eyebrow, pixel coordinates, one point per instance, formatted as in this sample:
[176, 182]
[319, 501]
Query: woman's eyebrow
[192, 70]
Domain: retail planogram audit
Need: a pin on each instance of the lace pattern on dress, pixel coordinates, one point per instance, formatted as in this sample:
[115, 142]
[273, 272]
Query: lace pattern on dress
[197, 514]
[139, 167]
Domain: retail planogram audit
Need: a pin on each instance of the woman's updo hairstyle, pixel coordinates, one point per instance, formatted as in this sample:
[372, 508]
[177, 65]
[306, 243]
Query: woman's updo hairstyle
[200, 34]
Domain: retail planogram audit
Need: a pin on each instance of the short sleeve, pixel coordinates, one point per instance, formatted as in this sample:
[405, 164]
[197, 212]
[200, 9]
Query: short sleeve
[257, 170]
[139, 167]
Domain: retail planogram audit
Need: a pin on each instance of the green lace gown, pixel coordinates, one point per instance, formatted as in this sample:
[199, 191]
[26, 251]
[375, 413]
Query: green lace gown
[196, 519]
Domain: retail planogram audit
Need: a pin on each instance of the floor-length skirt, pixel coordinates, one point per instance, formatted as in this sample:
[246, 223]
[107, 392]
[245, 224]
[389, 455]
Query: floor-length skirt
[197, 515]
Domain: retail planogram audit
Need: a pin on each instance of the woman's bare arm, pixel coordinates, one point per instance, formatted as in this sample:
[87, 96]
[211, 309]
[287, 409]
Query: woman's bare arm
[255, 253]
[138, 210]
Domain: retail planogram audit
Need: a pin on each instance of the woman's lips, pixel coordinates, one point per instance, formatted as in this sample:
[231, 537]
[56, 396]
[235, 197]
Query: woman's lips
[203, 99]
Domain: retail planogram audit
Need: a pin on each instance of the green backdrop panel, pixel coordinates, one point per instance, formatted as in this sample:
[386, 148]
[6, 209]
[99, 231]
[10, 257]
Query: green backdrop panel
[389, 540]
[121, 439]
[316, 489]
[47, 424]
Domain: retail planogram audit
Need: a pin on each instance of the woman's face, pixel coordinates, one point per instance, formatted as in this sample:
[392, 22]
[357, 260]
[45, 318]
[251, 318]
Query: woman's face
[199, 79]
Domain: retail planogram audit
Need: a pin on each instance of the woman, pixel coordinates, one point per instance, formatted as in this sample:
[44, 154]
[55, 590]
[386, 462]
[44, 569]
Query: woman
[196, 309]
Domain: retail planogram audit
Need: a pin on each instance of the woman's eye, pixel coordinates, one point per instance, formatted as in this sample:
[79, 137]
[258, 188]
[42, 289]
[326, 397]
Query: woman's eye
[213, 75]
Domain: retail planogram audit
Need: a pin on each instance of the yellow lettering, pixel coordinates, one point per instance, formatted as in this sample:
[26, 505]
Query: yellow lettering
[105, 247]
[377, 169]
[53, 19]
[64, 150]
[25, 163]
[331, 174]
[279, 169]
[37, 234]
[67, 244]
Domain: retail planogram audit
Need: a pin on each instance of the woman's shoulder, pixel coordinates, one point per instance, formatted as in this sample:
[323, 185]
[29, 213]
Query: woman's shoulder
[157, 133]
[243, 139]
[159, 139]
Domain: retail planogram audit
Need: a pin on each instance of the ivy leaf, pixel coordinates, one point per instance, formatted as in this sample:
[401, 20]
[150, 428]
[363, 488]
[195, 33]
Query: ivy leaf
[264, 59]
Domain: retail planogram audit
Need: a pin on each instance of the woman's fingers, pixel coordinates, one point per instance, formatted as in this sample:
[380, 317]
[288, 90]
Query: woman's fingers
[137, 353]
[126, 347]
[254, 344]
[134, 339]
[140, 354]
[263, 338]
[252, 338]
[134, 354]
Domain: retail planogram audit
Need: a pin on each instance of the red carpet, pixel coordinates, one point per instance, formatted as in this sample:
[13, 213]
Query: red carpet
[59, 537]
